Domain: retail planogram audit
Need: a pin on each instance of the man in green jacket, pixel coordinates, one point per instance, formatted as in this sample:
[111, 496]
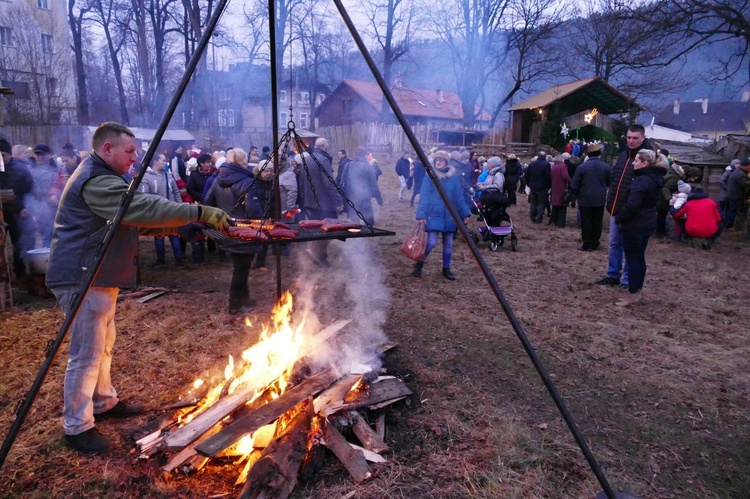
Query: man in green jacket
[90, 200]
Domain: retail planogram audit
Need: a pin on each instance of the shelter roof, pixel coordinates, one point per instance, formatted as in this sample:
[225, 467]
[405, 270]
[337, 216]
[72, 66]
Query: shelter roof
[578, 96]
[148, 134]
[415, 101]
[693, 155]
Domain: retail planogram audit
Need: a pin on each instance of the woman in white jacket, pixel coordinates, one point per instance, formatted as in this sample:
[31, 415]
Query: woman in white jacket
[496, 177]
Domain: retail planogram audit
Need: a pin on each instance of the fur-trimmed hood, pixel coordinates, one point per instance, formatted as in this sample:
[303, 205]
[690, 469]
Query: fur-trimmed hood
[446, 174]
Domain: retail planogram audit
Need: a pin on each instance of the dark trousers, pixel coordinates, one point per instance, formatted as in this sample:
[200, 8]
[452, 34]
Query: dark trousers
[559, 214]
[161, 253]
[239, 292]
[20, 246]
[661, 221]
[538, 201]
[591, 225]
[634, 242]
[509, 188]
[728, 216]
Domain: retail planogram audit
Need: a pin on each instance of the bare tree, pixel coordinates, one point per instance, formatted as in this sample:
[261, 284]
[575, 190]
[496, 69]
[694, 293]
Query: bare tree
[712, 21]
[471, 29]
[78, 19]
[106, 14]
[531, 32]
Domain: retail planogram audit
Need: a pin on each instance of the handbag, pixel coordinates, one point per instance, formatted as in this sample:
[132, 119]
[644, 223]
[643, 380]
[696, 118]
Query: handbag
[415, 244]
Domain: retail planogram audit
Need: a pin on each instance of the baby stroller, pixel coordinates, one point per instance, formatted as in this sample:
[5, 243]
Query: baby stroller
[496, 223]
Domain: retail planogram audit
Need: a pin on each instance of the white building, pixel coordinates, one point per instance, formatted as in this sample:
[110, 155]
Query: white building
[36, 62]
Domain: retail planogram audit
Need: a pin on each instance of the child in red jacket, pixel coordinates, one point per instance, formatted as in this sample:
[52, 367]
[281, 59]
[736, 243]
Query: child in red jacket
[703, 220]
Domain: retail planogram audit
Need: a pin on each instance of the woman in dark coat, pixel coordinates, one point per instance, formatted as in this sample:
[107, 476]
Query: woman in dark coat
[360, 187]
[233, 182]
[512, 172]
[637, 218]
[436, 215]
[560, 181]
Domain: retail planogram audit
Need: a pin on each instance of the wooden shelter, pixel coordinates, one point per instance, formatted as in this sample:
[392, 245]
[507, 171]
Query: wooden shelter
[707, 166]
[733, 146]
[574, 101]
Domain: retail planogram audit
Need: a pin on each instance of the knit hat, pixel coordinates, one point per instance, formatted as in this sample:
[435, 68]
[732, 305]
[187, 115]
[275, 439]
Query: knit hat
[441, 154]
[494, 162]
[5, 147]
[683, 187]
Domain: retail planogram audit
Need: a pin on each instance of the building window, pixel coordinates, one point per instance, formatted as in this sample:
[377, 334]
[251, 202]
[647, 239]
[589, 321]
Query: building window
[51, 86]
[282, 96]
[321, 98]
[47, 44]
[6, 36]
[283, 118]
[226, 117]
[304, 98]
[224, 94]
[303, 120]
[43, 4]
[203, 119]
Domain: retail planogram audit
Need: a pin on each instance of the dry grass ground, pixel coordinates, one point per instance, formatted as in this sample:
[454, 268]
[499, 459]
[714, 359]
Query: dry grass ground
[659, 391]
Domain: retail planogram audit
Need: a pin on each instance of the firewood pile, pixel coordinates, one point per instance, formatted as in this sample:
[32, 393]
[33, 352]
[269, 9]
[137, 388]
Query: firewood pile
[277, 431]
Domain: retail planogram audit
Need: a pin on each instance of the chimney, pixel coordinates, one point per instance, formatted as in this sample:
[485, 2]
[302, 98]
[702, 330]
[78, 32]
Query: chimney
[704, 106]
[676, 106]
[440, 96]
[746, 96]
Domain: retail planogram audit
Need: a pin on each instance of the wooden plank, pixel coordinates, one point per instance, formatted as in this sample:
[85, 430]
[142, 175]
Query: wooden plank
[248, 423]
[369, 438]
[151, 296]
[369, 455]
[380, 426]
[332, 399]
[352, 459]
[380, 392]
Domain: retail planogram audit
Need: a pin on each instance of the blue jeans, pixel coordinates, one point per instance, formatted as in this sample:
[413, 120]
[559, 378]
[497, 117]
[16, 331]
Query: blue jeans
[161, 253]
[634, 242]
[88, 387]
[432, 240]
[614, 268]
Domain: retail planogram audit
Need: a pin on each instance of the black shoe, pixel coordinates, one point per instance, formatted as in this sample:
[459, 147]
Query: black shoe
[244, 308]
[157, 263]
[88, 442]
[448, 275]
[120, 410]
[609, 281]
[585, 248]
[180, 263]
[417, 272]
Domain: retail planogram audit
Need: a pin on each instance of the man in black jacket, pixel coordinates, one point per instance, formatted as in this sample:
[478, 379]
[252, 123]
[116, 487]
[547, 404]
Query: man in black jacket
[15, 176]
[622, 177]
[539, 179]
[589, 185]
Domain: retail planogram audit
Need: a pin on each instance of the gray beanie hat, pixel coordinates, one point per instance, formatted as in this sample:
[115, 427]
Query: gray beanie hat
[683, 187]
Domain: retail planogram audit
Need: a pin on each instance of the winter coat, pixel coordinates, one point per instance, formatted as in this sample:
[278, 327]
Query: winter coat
[232, 183]
[419, 173]
[538, 175]
[590, 182]
[431, 207]
[622, 177]
[639, 210]
[512, 171]
[703, 216]
[560, 181]
[402, 167]
[160, 184]
[259, 202]
[737, 185]
[44, 178]
[495, 179]
[360, 188]
[723, 183]
[196, 184]
[288, 188]
[18, 178]
[177, 166]
[318, 183]
[674, 174]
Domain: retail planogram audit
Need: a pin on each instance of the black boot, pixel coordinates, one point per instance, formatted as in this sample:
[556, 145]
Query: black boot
[417, 272]
[448, 275]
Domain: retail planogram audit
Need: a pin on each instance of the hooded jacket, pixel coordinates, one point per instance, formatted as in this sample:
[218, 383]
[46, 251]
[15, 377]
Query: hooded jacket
[639, 210]
[431, 207]
[674, 174]
[703, 216]
[622, 177]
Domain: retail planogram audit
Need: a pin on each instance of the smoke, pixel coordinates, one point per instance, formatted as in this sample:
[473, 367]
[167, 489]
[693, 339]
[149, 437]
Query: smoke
[352, 288]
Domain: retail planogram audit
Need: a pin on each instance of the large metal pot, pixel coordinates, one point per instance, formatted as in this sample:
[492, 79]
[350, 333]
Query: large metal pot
[36, 261]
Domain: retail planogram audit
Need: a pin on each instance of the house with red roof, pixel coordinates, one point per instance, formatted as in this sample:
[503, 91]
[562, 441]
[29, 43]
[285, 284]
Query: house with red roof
[355, 101]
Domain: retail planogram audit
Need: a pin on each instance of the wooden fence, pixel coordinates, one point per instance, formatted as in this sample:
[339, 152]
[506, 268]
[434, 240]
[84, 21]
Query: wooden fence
[55, 136]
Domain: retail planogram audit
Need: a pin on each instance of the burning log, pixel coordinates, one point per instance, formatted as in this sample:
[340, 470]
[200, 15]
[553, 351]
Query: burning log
[275, 473]
[384, 391]
[249, 423]
[352, 459]
[332, 399]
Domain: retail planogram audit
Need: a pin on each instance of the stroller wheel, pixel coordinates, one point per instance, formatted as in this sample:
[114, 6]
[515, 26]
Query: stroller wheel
[494, 245]
[514, 243]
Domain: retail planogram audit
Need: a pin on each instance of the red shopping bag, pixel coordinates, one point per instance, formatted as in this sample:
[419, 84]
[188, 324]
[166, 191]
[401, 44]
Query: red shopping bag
[414, 245]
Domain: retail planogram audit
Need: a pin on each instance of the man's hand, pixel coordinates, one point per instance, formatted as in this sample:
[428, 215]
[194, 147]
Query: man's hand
[190, 232]
[214, 216]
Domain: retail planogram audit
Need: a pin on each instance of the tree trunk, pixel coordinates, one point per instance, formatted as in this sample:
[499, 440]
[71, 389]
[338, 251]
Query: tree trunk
[76, 28]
